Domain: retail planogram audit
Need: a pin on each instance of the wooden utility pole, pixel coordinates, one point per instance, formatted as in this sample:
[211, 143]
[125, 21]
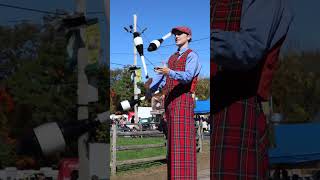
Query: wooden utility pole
[82, 61]
[93, 157]
[82, 92]
[136, 89]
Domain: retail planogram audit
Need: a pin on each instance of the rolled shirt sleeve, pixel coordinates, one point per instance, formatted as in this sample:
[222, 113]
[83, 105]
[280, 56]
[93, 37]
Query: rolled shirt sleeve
[192, 69]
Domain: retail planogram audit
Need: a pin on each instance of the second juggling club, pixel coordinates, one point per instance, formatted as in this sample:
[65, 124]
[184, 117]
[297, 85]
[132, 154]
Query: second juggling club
[127, 105]
[138, 42]
[155, 44]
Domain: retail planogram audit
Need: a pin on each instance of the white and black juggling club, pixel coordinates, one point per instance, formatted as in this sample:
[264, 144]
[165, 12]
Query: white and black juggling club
[52, 137]
[138, 42]
[155, 44]
[127, 105]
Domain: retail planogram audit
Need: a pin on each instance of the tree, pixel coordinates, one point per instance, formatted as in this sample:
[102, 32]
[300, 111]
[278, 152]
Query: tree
[48, 87]
[296, 86]
[36, 78]
[41, 83]
[203, 88]
[121, 87]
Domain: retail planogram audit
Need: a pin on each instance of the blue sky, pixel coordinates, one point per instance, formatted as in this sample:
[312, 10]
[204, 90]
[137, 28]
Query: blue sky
[158, 17]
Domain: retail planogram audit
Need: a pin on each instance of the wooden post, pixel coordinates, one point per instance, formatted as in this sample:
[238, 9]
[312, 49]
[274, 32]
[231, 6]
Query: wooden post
[198, 137]
[114, 149]
[135, 86]
[200, 134]
[140, 129]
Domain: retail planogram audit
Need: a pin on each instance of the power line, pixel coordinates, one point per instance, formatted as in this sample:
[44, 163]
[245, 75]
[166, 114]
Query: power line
[201, 39]
[126, 64]
[22, 20]
[203, 50]
[95, 12]
[119, 64]
[30, 9]
[150, 41]
[149, 61]
[42, 11]
[132, 54]
[191, 41]
[124, 53]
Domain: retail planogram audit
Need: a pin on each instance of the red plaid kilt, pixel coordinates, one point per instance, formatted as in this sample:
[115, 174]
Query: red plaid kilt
[182, 163]
[239, 142]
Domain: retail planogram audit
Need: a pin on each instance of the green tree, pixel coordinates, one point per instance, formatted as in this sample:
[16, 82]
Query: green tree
[203, 88]
[121, 87]
[296, 86]
[42, 88]
[48, 87]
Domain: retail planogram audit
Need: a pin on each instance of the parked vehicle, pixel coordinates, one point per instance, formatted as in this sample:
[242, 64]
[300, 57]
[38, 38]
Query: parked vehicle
[145, 124]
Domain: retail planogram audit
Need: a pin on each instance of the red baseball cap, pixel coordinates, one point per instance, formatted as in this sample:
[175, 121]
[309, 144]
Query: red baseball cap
[183, 29]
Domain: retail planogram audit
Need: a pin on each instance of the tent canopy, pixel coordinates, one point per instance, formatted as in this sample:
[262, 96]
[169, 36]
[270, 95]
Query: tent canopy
[296, 143]
[202, 107]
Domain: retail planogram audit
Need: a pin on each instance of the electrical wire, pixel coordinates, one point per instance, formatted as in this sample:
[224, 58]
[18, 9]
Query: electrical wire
[95, 12]
[43, 11]
[149, 61]
[150, 41]
[30, 9]
[127, 64]
[166, 46]
[118, 64]
[190, 42]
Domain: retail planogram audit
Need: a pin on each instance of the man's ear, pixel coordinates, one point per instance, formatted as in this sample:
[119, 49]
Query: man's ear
[189, 37]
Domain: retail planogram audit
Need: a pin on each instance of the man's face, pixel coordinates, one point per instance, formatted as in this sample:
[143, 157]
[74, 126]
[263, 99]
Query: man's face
[181, 38]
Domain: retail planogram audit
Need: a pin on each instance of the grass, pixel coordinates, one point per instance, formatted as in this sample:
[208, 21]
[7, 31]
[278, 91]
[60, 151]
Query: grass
[125, 169]
[141, 153]
[138, 154]
[123, 141]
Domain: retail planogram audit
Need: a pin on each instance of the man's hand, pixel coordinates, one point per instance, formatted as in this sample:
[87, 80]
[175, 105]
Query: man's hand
[164, 71]
[147, 83]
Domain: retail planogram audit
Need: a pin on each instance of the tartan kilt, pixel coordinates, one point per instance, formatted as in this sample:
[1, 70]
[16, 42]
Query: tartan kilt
[239, 142]
[182, 161]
